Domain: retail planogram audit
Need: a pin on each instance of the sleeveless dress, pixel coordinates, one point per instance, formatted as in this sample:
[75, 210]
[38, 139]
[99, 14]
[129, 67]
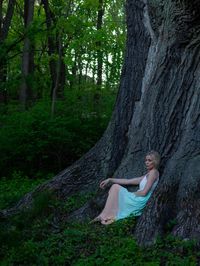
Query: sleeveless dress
[130, 204]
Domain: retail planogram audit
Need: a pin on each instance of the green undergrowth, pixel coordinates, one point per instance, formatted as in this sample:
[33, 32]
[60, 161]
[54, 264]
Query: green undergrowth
[83, 244]
[43, 236]
[34, 140]
[13, 188]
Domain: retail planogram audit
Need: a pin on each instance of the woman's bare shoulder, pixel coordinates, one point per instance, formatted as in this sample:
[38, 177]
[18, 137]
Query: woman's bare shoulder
[154, 172]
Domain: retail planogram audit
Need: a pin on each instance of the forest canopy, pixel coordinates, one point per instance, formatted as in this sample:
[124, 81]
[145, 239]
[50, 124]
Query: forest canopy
[59, 45]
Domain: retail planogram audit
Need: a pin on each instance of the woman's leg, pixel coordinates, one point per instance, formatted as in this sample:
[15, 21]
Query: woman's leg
[111, 207]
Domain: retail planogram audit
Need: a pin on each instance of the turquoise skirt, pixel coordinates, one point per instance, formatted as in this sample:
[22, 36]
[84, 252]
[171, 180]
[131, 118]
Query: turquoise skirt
[129, 204]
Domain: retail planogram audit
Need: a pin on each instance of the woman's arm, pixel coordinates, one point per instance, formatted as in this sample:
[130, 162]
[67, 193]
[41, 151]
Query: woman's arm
[121, 181]
[153, 175]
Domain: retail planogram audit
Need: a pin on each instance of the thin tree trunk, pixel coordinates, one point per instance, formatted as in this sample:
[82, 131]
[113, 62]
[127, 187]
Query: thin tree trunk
[112, 69]
[94, 70]
[59, 64]
[99, 44]
[87, 65]
[51, 44]
[7, 20]
[62, 76]
[27, 56]
[99, 53]
[1, 16]
[80, 68]
[53, 48]
[4, 30]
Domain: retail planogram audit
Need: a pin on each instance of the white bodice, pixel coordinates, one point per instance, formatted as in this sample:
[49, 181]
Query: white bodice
[144, 181]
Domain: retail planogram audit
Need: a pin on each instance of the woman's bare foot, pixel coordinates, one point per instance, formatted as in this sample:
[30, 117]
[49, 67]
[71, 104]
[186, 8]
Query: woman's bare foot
[108, 221]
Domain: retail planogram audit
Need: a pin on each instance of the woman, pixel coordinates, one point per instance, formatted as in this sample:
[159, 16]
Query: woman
[121, 203]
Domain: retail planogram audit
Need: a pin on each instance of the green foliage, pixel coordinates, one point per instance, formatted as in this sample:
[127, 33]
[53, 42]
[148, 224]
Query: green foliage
[34, 142]
[76, 201]
[30, 239]
[12, 189]
[83, 244]
[75, 22]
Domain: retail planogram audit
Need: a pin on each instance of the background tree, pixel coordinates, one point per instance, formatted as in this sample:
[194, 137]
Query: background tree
[99, 51]
[5, 21]
[28, 55]
[56, 46]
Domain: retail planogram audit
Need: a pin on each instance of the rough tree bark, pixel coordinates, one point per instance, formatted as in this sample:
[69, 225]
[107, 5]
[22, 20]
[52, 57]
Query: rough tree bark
[157, 107]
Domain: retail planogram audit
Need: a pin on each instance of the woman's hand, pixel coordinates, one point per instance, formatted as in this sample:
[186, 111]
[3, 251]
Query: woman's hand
[104, 183]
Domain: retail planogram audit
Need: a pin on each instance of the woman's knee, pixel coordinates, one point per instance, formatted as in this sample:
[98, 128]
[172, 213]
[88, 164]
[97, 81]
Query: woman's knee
[115, 187]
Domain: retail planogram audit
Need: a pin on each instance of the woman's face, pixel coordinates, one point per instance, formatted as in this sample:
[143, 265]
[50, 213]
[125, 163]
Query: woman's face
[149, 162]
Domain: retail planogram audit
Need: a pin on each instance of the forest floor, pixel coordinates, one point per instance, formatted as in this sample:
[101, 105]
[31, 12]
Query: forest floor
[35, 238]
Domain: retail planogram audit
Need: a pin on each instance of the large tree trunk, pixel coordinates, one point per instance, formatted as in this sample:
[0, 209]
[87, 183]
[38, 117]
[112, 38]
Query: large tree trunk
[157, 107]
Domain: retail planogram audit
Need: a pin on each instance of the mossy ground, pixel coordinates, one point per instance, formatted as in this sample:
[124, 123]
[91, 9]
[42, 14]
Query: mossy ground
[34, 238]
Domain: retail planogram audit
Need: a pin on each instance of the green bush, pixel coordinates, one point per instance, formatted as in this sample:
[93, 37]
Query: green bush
[35, 142]
[12, 189]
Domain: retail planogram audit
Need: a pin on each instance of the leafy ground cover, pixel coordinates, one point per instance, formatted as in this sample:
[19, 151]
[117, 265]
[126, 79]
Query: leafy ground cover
[35, 238]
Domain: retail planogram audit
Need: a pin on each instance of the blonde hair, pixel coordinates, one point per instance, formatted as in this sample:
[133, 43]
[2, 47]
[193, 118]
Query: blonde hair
[156, 157]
